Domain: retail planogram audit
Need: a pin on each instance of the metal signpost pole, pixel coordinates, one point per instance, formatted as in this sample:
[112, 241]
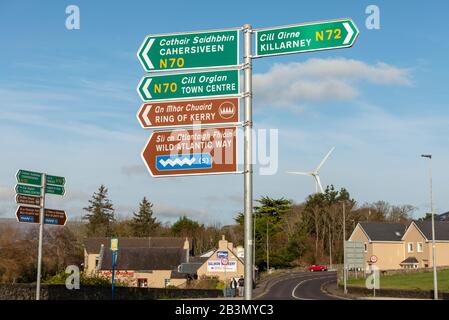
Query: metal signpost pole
[344, 248]
[41, 234]
[114, 255]
[248, 171]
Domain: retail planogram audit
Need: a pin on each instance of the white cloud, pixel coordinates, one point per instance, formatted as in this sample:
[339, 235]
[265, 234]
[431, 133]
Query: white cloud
[315, 80]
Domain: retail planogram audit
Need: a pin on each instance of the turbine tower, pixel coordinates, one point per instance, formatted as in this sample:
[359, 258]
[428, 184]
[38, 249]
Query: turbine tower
[315, 174]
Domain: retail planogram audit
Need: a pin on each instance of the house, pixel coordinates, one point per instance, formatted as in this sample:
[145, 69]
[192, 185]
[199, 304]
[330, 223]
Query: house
[383, 240]
[146, 267]
[143, 262]
[398, 246]
[225, 262]
[418, 244]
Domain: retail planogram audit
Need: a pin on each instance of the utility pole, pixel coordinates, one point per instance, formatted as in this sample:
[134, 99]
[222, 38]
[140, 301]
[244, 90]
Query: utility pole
[330, 247]
[344, 248]
[41, 235]
[268, 251]
[248, 161]
[435, 280]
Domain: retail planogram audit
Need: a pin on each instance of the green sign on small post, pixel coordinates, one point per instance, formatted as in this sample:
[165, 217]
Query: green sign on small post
[203, 49]
[28, 190]
[57, 190]
[55, 180]
[306, 37]
[29, 177]
[188, 85]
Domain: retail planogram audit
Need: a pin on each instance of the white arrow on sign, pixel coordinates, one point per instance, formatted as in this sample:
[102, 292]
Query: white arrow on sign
[350, 32]
[145, 88]
[145, 54]
[145, 115]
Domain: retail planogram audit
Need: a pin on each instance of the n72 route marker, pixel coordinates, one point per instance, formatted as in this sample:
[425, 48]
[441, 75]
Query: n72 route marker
[29, 177]
[172, 114]
[189, 85]
[189, 50]
[306, 37]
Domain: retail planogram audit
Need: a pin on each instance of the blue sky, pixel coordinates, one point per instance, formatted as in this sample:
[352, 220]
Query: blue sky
[68, 103]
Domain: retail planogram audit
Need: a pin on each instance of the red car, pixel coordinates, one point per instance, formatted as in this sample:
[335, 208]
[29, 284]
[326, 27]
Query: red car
[317, 267]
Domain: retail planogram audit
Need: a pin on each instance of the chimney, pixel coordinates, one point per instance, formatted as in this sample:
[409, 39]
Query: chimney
[223, 243]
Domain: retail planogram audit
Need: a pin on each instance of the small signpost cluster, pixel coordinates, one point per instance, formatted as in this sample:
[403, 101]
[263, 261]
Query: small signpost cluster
[31, 189]
[208, 96]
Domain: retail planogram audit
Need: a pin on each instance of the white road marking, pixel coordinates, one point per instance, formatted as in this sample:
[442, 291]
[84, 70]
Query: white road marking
[304, 281]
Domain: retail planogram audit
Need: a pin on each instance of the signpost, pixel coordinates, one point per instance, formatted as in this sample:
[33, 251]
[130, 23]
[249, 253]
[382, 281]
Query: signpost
[114, 249]
[315, 36]
[189, 85]
[187, 113]
[191, 152]
[30, 190]
[57, 190]
[29, 177]
[22, 199]
[190, 50]
[170, 98]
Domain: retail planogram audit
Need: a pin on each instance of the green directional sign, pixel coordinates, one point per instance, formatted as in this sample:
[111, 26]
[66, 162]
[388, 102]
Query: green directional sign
[58, 190]
[29, 177]
[60, 181]
[202, 49]
[188, 85]
[28, 190]
[306, 37]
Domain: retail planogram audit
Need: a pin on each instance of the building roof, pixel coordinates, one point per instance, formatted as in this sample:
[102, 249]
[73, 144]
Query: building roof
[383, 231]
[93, 245]
[441, 229]
[145, 259]
[443, 216]
[410, 260]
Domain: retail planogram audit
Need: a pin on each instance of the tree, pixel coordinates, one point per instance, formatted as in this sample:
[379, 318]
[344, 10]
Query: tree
[185, 227]
[100, 214]
[143, 223]
[270, 212]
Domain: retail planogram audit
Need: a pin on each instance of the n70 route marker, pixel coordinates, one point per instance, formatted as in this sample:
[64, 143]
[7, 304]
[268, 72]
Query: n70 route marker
[189, 50]
[189, 85]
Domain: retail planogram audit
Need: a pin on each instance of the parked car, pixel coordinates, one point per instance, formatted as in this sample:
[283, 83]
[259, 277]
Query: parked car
[317, 267]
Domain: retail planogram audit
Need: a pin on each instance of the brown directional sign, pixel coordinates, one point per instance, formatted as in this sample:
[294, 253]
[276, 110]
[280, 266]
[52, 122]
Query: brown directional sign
[31, 214]
[28, 214]
[185, 113]
[23, 199]
[191, 152]
[57, 217]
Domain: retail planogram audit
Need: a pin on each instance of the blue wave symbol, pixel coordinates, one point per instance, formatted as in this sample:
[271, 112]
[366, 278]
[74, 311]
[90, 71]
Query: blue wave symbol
[184, 162]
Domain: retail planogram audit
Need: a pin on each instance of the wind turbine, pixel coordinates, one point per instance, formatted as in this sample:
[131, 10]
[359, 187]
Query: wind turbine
[315, 174]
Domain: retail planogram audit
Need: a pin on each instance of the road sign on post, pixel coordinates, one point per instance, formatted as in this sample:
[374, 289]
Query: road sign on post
[189, 85]
[190, 112]
[29, 177]
[28, 214]
[56, 217]
[55, 180]
[22, 199]
[57, 190]
[28, 190]
[203, 49]
[191, 152]
[306, 37]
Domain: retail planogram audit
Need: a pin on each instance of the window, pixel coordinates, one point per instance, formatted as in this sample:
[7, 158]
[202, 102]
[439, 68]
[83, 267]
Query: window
[366, 247]
[419, 247]
[142, 283]
[410, 247]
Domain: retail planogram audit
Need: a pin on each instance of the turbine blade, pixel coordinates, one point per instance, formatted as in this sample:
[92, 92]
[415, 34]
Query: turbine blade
[324, 159]
[301, 173]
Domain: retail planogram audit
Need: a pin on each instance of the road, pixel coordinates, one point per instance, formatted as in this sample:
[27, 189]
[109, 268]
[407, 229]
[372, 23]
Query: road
[300, 286]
